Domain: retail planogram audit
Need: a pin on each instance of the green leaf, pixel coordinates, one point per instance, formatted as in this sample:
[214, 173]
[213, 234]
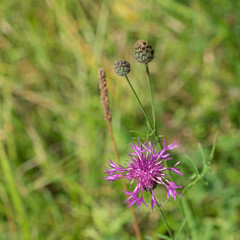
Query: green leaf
[208, 231]
[192, 225]
[134, 131]
[148, 238]
[210, 158]
[194, 167]
[180, 228]
[202, 154]
[180, 11]
[165, 237]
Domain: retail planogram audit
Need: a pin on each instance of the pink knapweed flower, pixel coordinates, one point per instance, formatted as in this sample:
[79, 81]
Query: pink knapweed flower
[146, 168]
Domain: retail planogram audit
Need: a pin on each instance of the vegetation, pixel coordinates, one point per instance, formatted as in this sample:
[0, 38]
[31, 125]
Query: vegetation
[53, 137]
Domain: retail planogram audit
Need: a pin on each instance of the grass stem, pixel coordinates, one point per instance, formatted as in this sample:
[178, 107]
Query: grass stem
[165, 221]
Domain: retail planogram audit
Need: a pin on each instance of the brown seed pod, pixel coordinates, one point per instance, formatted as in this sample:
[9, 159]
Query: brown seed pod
[122, 68]
[143, 52]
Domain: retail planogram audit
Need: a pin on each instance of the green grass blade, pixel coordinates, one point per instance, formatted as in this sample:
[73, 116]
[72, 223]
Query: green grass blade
[210, 158]
[202, 154]
[162, 236]
[193, 165]
[190, 220]
[148, 238]
[21, 217]
[180, 228]
[181, 11]
[208, 231]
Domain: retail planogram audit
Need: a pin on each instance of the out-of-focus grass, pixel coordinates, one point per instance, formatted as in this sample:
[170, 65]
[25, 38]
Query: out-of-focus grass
[53, 136]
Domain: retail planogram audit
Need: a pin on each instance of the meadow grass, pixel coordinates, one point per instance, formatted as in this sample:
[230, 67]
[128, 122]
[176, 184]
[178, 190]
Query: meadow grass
[53, 137]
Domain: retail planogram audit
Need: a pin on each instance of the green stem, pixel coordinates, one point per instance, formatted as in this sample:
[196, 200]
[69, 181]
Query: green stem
[165, 221]
[198, 178]
[158, 139]
[11, 184]
[151, 95]
[153, 108]
[144, 112]
[155, 134]
[155, 127]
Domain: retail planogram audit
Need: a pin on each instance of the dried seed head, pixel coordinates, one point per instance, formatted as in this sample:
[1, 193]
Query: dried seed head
[104, 94]
[122, 68]
[143, 52]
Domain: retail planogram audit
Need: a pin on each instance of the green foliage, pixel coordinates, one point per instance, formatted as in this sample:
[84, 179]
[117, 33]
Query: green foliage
[53, 138]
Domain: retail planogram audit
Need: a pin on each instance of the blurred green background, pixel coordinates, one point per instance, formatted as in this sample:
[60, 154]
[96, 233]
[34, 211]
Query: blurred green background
[53, 137]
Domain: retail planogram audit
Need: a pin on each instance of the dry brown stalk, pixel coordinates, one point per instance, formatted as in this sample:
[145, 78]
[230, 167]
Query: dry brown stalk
[107, 115]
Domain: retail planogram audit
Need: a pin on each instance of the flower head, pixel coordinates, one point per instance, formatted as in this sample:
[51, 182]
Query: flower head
[143, 52]
[122, 68]
[146, 168]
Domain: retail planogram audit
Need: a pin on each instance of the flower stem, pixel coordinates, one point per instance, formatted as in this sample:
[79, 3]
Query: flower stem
[158, 140]
[153, 108]
[141, 106]
[135, 223]
[165, 221]
[154, 129]
[107, 115]
[151, 95]
[161, 145]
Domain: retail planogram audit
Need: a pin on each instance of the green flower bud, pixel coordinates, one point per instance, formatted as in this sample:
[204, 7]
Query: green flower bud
[122, 68]
[143, 52]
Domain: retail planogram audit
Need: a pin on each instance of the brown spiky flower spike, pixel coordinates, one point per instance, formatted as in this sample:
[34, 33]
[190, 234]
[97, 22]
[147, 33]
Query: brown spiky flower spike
[143, 52]
[122, 68]
[104, 94]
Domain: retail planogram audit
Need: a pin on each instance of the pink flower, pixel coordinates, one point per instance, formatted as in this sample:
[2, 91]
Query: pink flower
[146, 168]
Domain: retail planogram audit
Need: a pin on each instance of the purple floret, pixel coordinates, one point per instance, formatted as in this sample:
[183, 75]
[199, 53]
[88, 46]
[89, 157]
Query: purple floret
[146, 167]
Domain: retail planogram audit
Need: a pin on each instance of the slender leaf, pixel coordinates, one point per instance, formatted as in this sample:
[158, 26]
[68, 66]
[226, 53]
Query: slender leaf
[180, 228]
[194, 167]
[190, 219]
[202, 154]
[162, 236]
[148, 238]
[208, 231]
[210, 158]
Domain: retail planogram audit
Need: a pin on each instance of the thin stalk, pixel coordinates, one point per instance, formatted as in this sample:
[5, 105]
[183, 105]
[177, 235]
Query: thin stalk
[151, 96]
[198, 178]
[156, 137]
[135, 223]
[154, 129]
[141, 106]
[156, 132]
[153, 107]
[165, 221]
[14, 193]
[107, 116]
